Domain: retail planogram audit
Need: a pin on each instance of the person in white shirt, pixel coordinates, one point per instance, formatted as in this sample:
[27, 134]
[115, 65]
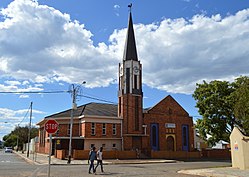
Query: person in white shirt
[99, 159]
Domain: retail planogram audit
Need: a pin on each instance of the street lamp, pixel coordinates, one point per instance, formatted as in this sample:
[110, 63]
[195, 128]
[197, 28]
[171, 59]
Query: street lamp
[74, 91]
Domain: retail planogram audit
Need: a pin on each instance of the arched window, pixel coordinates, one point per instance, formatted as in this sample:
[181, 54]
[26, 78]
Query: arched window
[154, 136]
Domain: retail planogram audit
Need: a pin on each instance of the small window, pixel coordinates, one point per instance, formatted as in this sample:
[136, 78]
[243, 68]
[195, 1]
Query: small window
[114, 132]
[135, 81]
[93, 129]
[114, 145]
[104, 129]
[103, 145]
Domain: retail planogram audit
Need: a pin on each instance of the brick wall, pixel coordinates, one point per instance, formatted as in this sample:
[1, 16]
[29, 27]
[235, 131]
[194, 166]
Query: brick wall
[128, 114]
[84, 154]
[216, 153]
[127, 142]
[98, 130]
[169, 111]
[175, 155]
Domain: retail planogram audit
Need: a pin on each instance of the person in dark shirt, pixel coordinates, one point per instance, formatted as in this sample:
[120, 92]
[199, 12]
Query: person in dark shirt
[92, 157]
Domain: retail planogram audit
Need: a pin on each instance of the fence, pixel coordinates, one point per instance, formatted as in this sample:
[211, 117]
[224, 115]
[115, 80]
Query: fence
[213, 154]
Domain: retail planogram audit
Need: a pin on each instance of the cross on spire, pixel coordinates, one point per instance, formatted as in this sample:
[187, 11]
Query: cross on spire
[130, 5]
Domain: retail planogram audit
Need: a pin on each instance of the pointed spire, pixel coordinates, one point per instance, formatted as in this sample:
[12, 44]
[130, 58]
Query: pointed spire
[130, 51]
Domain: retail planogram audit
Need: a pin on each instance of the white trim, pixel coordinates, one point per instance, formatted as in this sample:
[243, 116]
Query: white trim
[96, 116]
[47, 138]
[43, 121]
[100, 120]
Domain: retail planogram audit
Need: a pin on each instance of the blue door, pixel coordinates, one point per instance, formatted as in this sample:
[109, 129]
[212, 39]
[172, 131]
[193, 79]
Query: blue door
[185, 138]
[154, 137]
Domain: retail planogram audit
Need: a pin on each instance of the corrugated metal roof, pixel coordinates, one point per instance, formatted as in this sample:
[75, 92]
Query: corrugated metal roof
[93, 109]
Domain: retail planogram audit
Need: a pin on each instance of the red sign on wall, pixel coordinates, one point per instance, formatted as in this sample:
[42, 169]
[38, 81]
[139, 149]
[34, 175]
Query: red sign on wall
[51, 126]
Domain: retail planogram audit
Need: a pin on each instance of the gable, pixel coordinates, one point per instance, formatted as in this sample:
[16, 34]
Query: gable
[168, 106]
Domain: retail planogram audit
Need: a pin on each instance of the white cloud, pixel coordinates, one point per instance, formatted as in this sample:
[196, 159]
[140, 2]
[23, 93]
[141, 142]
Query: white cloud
[25, 83]
[24, 96]
[16, 86]
[12, 83]
[9, 118]
[116, 9]
[175, 53]
[116, 6]
[40, 44]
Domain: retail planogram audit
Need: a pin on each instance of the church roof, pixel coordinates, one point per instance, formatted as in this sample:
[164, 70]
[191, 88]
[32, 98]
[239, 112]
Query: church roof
[169, 105]
[130, 51]
[93, 109]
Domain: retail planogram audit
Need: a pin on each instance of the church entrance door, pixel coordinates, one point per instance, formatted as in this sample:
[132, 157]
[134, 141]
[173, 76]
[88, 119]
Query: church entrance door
[170, 143]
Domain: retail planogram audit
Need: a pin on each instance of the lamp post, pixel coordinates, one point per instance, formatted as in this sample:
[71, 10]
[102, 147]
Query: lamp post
[74, 91]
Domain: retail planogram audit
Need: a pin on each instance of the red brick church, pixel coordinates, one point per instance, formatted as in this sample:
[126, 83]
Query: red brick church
[126, 126]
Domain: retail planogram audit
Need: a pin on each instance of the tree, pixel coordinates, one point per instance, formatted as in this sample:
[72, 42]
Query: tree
[10, 140]
[241, 103]
[20, 133]
[222, 105]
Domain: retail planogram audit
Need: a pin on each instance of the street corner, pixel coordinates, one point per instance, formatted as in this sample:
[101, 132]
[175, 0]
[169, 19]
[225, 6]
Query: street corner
[24, 156]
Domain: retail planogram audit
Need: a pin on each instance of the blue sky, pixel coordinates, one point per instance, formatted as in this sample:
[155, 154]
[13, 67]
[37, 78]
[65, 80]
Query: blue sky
[47, 45]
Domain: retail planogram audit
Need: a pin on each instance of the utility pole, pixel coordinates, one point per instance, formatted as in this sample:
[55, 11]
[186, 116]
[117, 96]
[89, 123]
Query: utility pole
[29, 127]
[74, 91]
[74, 106]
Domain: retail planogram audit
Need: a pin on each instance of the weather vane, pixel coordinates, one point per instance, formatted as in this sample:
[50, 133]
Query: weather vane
[130, 5]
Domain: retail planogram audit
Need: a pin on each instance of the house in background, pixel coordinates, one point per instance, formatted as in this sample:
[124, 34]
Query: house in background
[221, 145]
[126, 126]
[199, 142]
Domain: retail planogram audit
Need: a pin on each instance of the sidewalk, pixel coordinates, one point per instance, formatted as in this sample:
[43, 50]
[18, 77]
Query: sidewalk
[218, 172]
[42, 159]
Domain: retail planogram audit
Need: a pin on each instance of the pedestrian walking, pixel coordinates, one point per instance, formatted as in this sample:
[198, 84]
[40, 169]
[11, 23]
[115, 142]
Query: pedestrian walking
[92, 157]
[99, 159]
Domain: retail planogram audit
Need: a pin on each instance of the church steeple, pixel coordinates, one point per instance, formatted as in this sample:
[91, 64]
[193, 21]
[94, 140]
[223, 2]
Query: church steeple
[130, 94]
[130, 51]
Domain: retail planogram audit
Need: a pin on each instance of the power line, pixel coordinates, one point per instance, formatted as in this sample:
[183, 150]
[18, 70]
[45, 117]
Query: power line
[24, 116]
[66, 91]
[98, 99]
[35, 92]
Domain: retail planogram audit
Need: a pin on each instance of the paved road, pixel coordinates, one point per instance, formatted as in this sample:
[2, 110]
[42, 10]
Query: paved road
[121, 170]
[13, 165]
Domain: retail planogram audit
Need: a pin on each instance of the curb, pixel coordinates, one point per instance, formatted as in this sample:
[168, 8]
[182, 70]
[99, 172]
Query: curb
[84, 162]
[139, 162]
[27, 159]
